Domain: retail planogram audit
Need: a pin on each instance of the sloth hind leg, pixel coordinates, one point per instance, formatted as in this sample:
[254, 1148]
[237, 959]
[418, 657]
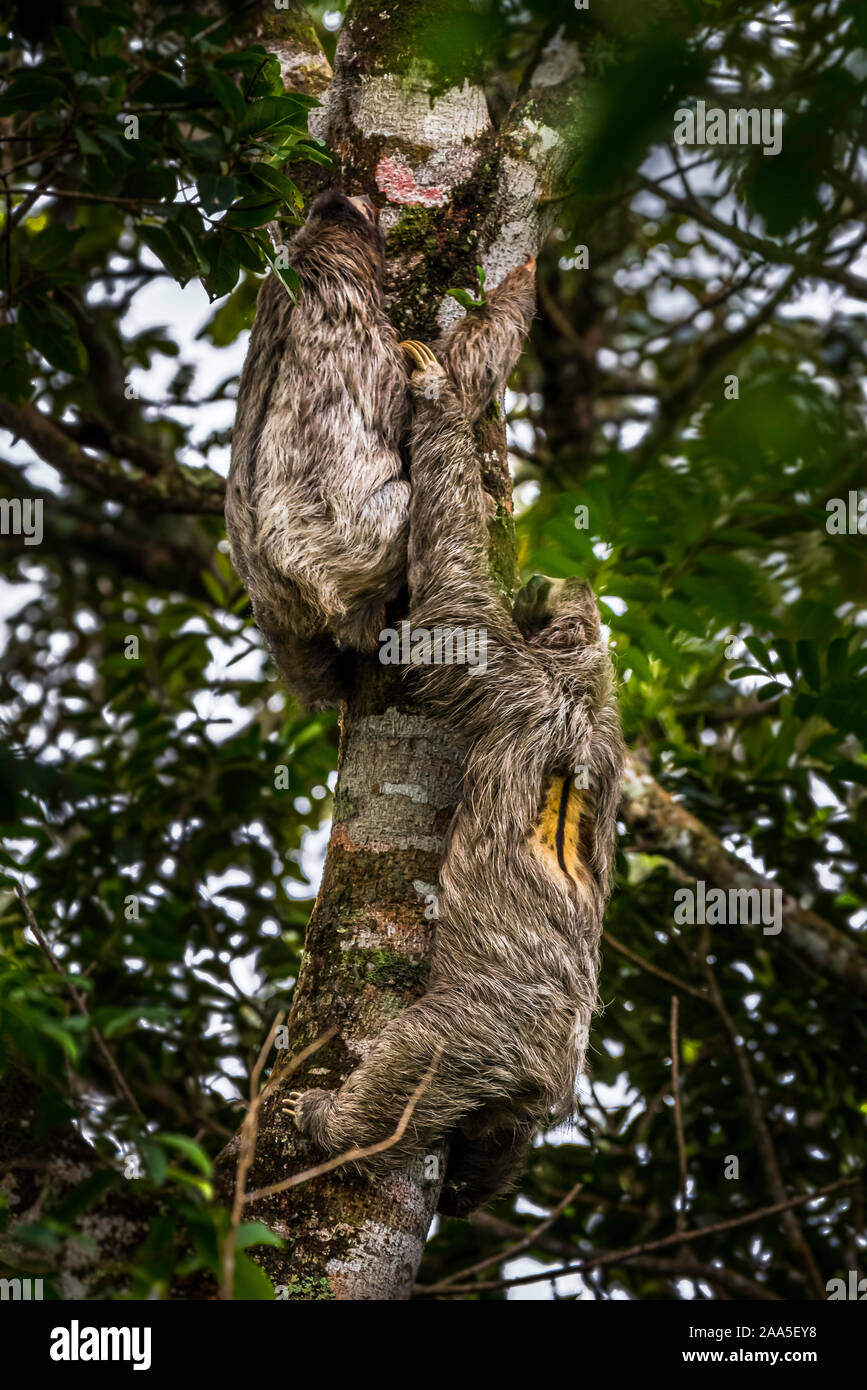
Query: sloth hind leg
[434, 1052]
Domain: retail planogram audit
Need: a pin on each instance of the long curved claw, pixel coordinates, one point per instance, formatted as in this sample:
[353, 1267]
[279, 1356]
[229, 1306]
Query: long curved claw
[290, 1107]
[420, 354]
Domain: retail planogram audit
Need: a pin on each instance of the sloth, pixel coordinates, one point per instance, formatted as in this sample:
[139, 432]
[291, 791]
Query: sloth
[491, 1052]
[317, 499]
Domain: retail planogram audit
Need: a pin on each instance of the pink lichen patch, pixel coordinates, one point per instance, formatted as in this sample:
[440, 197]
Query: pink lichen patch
[396, 180]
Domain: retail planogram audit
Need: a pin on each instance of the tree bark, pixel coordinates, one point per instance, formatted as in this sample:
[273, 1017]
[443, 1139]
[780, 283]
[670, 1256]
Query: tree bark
[458, 192]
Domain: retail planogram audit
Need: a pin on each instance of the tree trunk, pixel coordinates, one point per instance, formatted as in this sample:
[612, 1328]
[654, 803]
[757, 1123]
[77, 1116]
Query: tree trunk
[459, 192]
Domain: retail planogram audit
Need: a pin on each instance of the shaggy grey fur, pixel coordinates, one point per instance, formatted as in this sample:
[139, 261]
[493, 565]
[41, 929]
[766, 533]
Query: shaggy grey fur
[317, 502]
[522, 886]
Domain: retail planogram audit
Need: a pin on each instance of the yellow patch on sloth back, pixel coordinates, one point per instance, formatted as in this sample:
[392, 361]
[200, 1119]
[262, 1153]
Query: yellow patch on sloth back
[560, 837]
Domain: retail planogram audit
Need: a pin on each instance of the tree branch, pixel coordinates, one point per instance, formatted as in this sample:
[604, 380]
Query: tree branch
[177, 488]
[616, 1257]
[664, 827]
[805, 265]
[755, 1112]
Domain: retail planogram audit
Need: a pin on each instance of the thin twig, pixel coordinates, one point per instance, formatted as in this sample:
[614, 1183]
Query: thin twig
[121, 1088]
[729, 1280]
[611, 940]
[614, 1257]
[249, 1135]
[680, 1217]
[755, 1114]
[509, 1253]
[355, 1155]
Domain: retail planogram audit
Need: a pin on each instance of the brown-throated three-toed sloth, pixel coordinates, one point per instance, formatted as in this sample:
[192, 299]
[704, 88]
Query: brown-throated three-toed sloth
[502, 1030]
[317, 501]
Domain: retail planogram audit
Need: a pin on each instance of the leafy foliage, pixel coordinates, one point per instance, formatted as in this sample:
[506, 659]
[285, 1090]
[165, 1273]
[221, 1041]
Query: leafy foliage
[148, 114]
[156, 788]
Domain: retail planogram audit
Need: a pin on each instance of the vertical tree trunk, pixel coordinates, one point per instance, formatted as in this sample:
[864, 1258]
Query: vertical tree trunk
[458, 192]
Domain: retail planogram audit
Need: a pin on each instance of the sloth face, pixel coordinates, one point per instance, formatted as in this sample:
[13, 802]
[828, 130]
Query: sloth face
[364, 205]
[556, 613]
[358, 214]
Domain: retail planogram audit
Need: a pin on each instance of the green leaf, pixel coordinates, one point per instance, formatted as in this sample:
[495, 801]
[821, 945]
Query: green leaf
[53, 245]
[290, 280]
[14, 367]
[54, 334]
[255, 1233]
[189, 1149]
[227, 94]
[770, 691]
[251, 212]
[200, 1185]
[177, 256]
[278, 183]
[155, 1160]
[60, 1035]
[836, 661]
[213, 588]
[808, 661]
[251, 1281]
[789, 661]
[272, 112]
[302, 149]
[86, 142]
[680, 615]
[70, 46]
[39, 1235]
[33, 91]
[217, 191]
[757, 648]
[464, 298]
[222, 275]
[252, 250]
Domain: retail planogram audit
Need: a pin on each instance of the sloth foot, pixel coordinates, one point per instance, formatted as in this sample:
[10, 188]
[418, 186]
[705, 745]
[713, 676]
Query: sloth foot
[290, 1107]
[310, 1112]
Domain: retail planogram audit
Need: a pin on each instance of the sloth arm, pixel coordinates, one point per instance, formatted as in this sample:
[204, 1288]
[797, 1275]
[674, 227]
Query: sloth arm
[450, 581]
[481, 350]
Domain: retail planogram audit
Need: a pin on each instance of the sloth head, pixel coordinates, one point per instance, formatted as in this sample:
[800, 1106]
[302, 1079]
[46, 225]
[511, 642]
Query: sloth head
[557, 614]
[355, 217]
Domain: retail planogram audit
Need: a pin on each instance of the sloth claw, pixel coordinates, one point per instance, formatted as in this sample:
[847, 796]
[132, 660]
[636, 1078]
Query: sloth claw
[421, 355]
[290, 1108]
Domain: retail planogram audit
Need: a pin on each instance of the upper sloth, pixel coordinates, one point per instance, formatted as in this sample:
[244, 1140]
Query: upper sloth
[317, 502]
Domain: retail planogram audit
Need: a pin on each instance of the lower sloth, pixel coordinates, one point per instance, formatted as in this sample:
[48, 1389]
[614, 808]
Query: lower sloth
[500, 1035]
